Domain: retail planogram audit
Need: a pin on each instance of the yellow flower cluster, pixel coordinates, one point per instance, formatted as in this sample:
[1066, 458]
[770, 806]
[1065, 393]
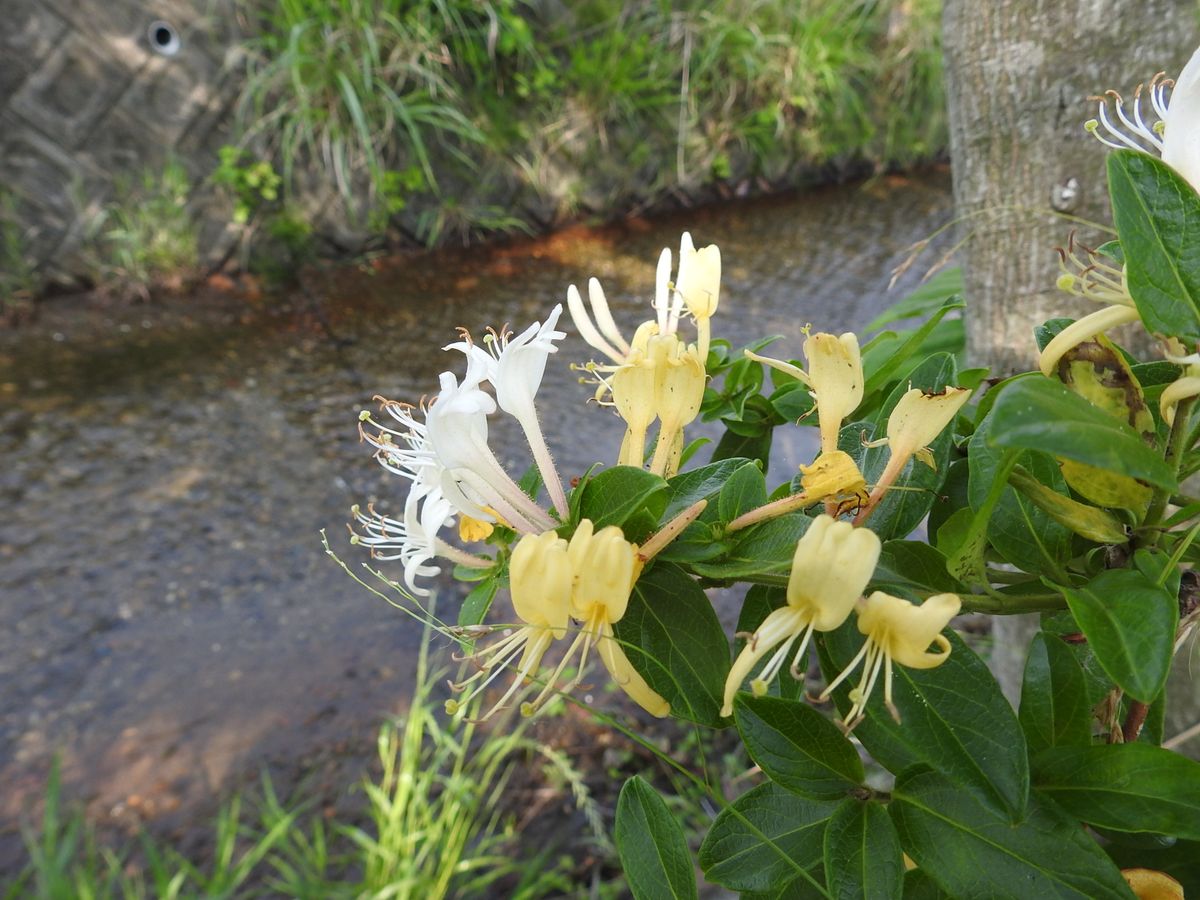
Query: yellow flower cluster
[831, 567]
[553, 581]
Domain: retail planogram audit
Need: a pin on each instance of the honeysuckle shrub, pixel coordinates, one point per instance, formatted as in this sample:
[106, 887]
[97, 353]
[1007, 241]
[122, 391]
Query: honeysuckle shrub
[937, 491]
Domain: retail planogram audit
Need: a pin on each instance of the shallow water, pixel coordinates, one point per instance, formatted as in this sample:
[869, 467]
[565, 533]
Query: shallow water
[171, 621]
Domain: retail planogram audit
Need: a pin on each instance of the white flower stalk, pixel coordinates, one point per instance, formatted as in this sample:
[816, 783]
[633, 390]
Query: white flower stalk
[414, 539]
[515, 367]
[1175, 131]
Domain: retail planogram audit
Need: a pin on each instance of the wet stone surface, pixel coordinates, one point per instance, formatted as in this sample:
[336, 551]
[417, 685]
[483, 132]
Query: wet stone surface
[171, 622]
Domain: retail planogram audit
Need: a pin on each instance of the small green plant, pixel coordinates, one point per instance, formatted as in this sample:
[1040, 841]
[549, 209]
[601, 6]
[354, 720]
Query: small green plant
[253, 183]
[437, 822]
[18, 269]
[145, 237]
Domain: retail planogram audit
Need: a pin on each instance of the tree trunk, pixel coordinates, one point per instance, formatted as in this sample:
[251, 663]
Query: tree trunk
[1019, 74]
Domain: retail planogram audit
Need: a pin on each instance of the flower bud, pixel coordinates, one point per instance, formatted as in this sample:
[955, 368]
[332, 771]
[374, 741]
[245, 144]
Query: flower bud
[699, 280]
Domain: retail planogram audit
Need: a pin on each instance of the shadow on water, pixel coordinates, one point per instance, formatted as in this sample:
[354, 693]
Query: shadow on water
[171, 621]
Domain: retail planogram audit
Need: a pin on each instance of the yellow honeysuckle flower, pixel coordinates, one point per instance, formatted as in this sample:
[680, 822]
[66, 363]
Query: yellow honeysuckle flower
[1084, 330]
[830, 569]
[896, 631]
[1184, 387]
[836, 377]
[605, 568]
[541, 581]
[835, 476]
[471, 530]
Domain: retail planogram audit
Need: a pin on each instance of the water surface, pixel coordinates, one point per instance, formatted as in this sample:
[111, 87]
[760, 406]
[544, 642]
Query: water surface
[171, 621]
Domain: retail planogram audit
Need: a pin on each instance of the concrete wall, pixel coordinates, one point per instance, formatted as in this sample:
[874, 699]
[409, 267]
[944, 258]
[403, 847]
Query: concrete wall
[88, 95]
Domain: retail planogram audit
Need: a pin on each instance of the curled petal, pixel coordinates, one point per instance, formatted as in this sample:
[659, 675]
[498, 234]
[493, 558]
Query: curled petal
[1084, 330]
[628, 679]
[1181, 389]
[776, 627]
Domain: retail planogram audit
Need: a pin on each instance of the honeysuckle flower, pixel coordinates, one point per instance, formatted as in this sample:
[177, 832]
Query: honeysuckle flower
[456, 427]
[1094, 277]
[836, 378]
[414, 539]
[634, 396]
[830, 569]
[1175, 134]
[515, 367]
[541, 581]
[699, 279]
[896, 631]
[679, 390]
[916, 421]
[835, 476]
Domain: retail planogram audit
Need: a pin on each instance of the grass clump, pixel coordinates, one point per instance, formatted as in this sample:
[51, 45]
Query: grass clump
[509, 114]
[144, 237]
[435, 823]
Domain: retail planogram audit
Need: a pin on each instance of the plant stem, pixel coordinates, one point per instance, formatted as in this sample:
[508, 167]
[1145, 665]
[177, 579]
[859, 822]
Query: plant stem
[1134, 719]
[1003, 605]
[1176, 445]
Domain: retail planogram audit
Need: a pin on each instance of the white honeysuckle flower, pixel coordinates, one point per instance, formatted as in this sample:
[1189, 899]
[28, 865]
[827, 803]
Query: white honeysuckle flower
[1174, 134]
[1181, 143]
[668, 304]
[413, 540]
[515, 367]
[699, 279]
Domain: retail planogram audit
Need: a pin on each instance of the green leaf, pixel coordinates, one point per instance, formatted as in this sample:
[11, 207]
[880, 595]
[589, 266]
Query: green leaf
[1090, 522]
[651, 845]
[1157, 215]
[1054, 699]
[687, 487]
[477, 603]
[953, 718]
[1022, 533]
[862, 853]
[674, 639]
[972, 849]
[888, 360]
[914, 565]
[1040, 414]
[797, 747]
[1180, 860]
[1130, 626]
[1125, 787]
[919, 886]
[923, 301]
[744, 490]
[765, 839]
[625, 496]
[763, 549]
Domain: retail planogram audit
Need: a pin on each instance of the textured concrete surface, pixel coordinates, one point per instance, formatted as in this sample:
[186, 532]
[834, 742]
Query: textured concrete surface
[87, 97]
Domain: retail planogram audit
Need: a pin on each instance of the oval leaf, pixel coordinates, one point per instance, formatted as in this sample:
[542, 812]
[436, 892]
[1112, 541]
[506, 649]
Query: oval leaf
[953, 718]
[765, 839]
[863, 860]
[1157, 215]
[1130, 624]
[1055, 710]
[651, 845]
[1035, 413]
[1125, 787]
[674, 639]
[800, 749]
[970, 848]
